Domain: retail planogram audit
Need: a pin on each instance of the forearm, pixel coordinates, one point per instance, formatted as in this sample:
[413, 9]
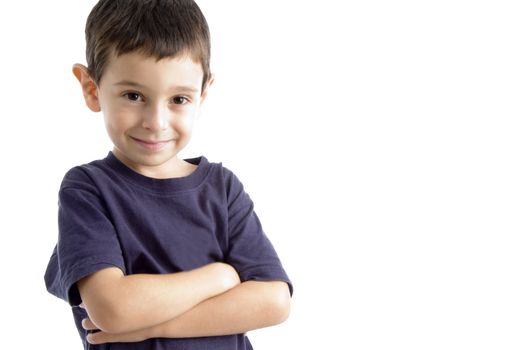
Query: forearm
[250, 305]
[140, 301]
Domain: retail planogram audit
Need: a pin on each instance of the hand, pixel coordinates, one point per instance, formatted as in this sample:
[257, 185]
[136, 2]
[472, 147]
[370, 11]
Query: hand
[101, 337]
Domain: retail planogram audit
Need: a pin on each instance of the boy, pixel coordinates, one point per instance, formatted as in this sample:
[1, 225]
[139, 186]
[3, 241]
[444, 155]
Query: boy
[156, 252]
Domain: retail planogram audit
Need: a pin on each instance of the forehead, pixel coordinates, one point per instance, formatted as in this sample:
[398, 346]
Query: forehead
[150, 72]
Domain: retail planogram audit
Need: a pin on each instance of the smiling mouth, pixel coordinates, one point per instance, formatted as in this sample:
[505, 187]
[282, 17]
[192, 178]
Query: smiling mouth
[151, 145]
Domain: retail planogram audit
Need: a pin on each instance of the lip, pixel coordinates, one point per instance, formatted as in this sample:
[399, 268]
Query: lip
[151, 145]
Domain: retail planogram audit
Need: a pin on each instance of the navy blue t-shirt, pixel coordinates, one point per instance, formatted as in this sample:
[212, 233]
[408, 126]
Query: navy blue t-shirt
[112, 216]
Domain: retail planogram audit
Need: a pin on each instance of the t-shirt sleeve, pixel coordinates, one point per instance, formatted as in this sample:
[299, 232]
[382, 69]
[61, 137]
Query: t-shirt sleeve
[87, 239]
[250, 251]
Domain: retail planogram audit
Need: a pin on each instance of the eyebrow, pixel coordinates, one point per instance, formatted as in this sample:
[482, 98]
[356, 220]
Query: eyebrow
[137, 85]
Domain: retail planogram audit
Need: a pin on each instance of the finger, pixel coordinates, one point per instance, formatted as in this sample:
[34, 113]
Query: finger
[97, 338]
[103, 337]
[82, 306]
[88, 325]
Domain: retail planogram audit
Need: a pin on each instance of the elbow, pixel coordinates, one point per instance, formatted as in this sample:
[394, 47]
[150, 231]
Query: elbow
[280, 304]
[105, 302]
[108, 318]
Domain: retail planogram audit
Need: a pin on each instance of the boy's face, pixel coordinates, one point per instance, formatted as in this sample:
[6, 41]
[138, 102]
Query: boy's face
[149, 108]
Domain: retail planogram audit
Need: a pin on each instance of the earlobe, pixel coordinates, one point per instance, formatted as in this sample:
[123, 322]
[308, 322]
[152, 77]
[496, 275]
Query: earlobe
[89, 88]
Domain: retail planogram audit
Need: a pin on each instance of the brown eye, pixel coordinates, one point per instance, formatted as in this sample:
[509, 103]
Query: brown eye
[180, 100]
[132, 96]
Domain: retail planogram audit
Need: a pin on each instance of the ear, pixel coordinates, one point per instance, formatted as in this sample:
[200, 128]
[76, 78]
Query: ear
[89, 88]
[204, 93]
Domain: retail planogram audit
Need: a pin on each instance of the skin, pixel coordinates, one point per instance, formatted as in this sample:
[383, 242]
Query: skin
[250, 305]
[149, 110]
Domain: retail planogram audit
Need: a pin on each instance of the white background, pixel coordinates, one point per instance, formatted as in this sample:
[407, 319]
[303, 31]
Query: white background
[383, 143]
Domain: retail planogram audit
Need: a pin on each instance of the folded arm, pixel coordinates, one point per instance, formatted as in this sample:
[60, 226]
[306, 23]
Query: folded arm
[248, 306]
[117, 304]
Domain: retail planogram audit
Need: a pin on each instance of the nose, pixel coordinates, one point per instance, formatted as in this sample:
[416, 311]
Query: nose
[156, 118]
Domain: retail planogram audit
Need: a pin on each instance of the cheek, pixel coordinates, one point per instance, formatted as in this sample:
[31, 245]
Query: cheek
[186, 122]
[119, 119]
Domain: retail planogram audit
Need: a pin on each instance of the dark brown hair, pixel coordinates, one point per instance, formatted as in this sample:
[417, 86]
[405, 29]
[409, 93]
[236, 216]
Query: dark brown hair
[156, 28]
